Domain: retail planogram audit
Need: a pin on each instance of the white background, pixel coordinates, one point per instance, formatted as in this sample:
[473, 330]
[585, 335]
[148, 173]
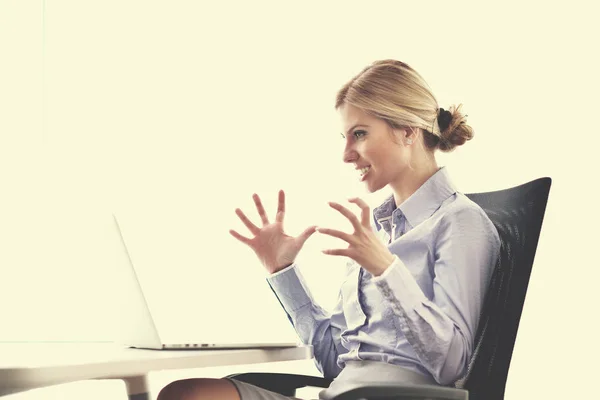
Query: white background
[174, 113]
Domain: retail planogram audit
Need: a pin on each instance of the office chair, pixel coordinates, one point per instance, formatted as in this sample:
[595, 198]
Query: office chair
[517, 214]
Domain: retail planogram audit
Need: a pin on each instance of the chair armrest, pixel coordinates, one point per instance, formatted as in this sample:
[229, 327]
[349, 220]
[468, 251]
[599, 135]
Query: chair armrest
[401, 391]
[285, 384]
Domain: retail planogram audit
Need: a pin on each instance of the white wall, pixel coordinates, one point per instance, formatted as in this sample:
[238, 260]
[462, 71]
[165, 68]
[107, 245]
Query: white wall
[174, 113]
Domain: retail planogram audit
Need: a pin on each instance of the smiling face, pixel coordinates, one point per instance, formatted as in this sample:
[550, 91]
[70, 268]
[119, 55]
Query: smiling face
[369, 144]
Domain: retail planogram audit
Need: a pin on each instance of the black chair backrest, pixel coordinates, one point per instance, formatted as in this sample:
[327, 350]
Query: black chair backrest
[517, 214]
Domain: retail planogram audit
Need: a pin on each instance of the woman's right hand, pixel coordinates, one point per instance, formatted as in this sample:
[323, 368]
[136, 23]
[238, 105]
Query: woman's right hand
[274, 248]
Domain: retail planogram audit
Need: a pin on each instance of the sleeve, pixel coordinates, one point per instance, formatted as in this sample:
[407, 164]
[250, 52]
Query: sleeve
[313, 325]
[441, 330]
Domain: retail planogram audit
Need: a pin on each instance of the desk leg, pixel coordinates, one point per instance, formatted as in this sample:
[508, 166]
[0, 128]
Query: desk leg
[137, 387]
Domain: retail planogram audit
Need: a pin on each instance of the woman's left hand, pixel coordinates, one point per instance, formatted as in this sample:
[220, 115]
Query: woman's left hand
[364, 246]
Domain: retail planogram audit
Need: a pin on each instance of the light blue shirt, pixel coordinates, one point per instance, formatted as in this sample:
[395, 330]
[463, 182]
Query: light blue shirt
[422, 312]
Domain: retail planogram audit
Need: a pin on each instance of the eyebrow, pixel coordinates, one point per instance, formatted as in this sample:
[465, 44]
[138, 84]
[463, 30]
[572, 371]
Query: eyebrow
[356, 126]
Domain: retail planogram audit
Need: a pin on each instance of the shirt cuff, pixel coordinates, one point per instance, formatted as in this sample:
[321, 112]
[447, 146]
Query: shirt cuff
[282, 270]
[290, 287]
[397, 284]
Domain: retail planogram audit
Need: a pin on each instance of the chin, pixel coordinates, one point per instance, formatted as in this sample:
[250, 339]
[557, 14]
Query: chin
[372, 188]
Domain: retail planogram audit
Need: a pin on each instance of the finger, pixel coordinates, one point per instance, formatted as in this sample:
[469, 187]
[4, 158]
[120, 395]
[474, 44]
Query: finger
[280, 207]
[239, 237]
[365, 211]
[336, 252]
[261, 209]
[338, 234]
[348, 214]
[303, 237]
[253, 228]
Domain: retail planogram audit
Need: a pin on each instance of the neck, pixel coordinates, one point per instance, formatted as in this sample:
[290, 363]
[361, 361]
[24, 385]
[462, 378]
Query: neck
[405, 186]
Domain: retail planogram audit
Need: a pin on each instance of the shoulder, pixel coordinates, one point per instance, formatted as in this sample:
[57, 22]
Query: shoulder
[461, 206]
[462, 215]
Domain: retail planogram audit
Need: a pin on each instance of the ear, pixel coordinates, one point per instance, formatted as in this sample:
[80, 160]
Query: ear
[410, 135]
[405, 136]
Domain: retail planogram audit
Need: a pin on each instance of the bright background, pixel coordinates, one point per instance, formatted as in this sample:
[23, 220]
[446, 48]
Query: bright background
[172, 113]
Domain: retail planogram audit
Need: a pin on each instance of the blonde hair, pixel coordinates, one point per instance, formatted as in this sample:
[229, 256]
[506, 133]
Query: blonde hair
[396, 93]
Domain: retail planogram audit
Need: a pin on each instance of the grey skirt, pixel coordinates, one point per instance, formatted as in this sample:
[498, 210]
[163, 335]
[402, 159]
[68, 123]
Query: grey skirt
[355, 374]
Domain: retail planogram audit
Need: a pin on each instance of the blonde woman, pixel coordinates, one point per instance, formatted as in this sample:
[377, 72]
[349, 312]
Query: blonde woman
[420, 263]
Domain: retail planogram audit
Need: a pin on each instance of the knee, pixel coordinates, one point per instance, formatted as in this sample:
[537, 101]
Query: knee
[174, 390]
[199, 389]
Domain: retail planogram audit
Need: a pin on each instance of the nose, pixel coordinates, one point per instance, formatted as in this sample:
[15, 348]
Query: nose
[349, 155]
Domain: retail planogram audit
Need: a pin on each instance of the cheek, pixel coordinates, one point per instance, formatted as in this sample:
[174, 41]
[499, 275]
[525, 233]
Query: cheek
[391, 159]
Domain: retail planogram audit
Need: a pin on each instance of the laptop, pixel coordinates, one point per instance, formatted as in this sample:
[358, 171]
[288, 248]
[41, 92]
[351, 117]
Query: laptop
[139, 330]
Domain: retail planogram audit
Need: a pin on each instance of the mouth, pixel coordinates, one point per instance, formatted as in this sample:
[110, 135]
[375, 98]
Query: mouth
[364, 172]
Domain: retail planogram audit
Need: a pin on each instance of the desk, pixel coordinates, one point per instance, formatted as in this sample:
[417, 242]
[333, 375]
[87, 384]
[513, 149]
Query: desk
[25, 366]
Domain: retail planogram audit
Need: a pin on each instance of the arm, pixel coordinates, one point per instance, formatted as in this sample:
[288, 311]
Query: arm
[441, 329]
[313, 325]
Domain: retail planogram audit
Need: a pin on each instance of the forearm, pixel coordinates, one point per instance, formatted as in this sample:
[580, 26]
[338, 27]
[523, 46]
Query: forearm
[443, 347]
[312, 323]
[314, 327]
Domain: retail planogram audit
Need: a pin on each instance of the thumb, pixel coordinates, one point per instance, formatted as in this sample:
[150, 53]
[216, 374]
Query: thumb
[303, 237]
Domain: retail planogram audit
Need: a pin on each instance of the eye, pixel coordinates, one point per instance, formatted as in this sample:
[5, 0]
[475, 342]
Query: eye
[358, 134]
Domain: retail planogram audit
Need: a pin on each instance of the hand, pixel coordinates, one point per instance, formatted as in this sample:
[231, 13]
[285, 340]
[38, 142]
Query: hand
[274, 248]
[364, 246]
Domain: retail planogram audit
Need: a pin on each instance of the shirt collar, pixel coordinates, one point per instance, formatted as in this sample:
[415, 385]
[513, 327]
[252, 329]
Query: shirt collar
[422, 203]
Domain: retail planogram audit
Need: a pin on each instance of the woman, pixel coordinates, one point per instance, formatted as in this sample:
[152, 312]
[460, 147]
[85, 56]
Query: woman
[419, 264]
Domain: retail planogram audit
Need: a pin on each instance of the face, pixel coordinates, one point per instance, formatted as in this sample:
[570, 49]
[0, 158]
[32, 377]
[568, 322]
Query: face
[369, 144]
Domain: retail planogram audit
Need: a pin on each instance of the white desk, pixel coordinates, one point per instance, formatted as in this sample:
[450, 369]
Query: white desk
[25, 366]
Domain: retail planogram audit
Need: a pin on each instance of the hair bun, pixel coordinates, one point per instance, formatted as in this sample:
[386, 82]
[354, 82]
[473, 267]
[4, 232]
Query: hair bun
[444, 119]
[454, 130]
